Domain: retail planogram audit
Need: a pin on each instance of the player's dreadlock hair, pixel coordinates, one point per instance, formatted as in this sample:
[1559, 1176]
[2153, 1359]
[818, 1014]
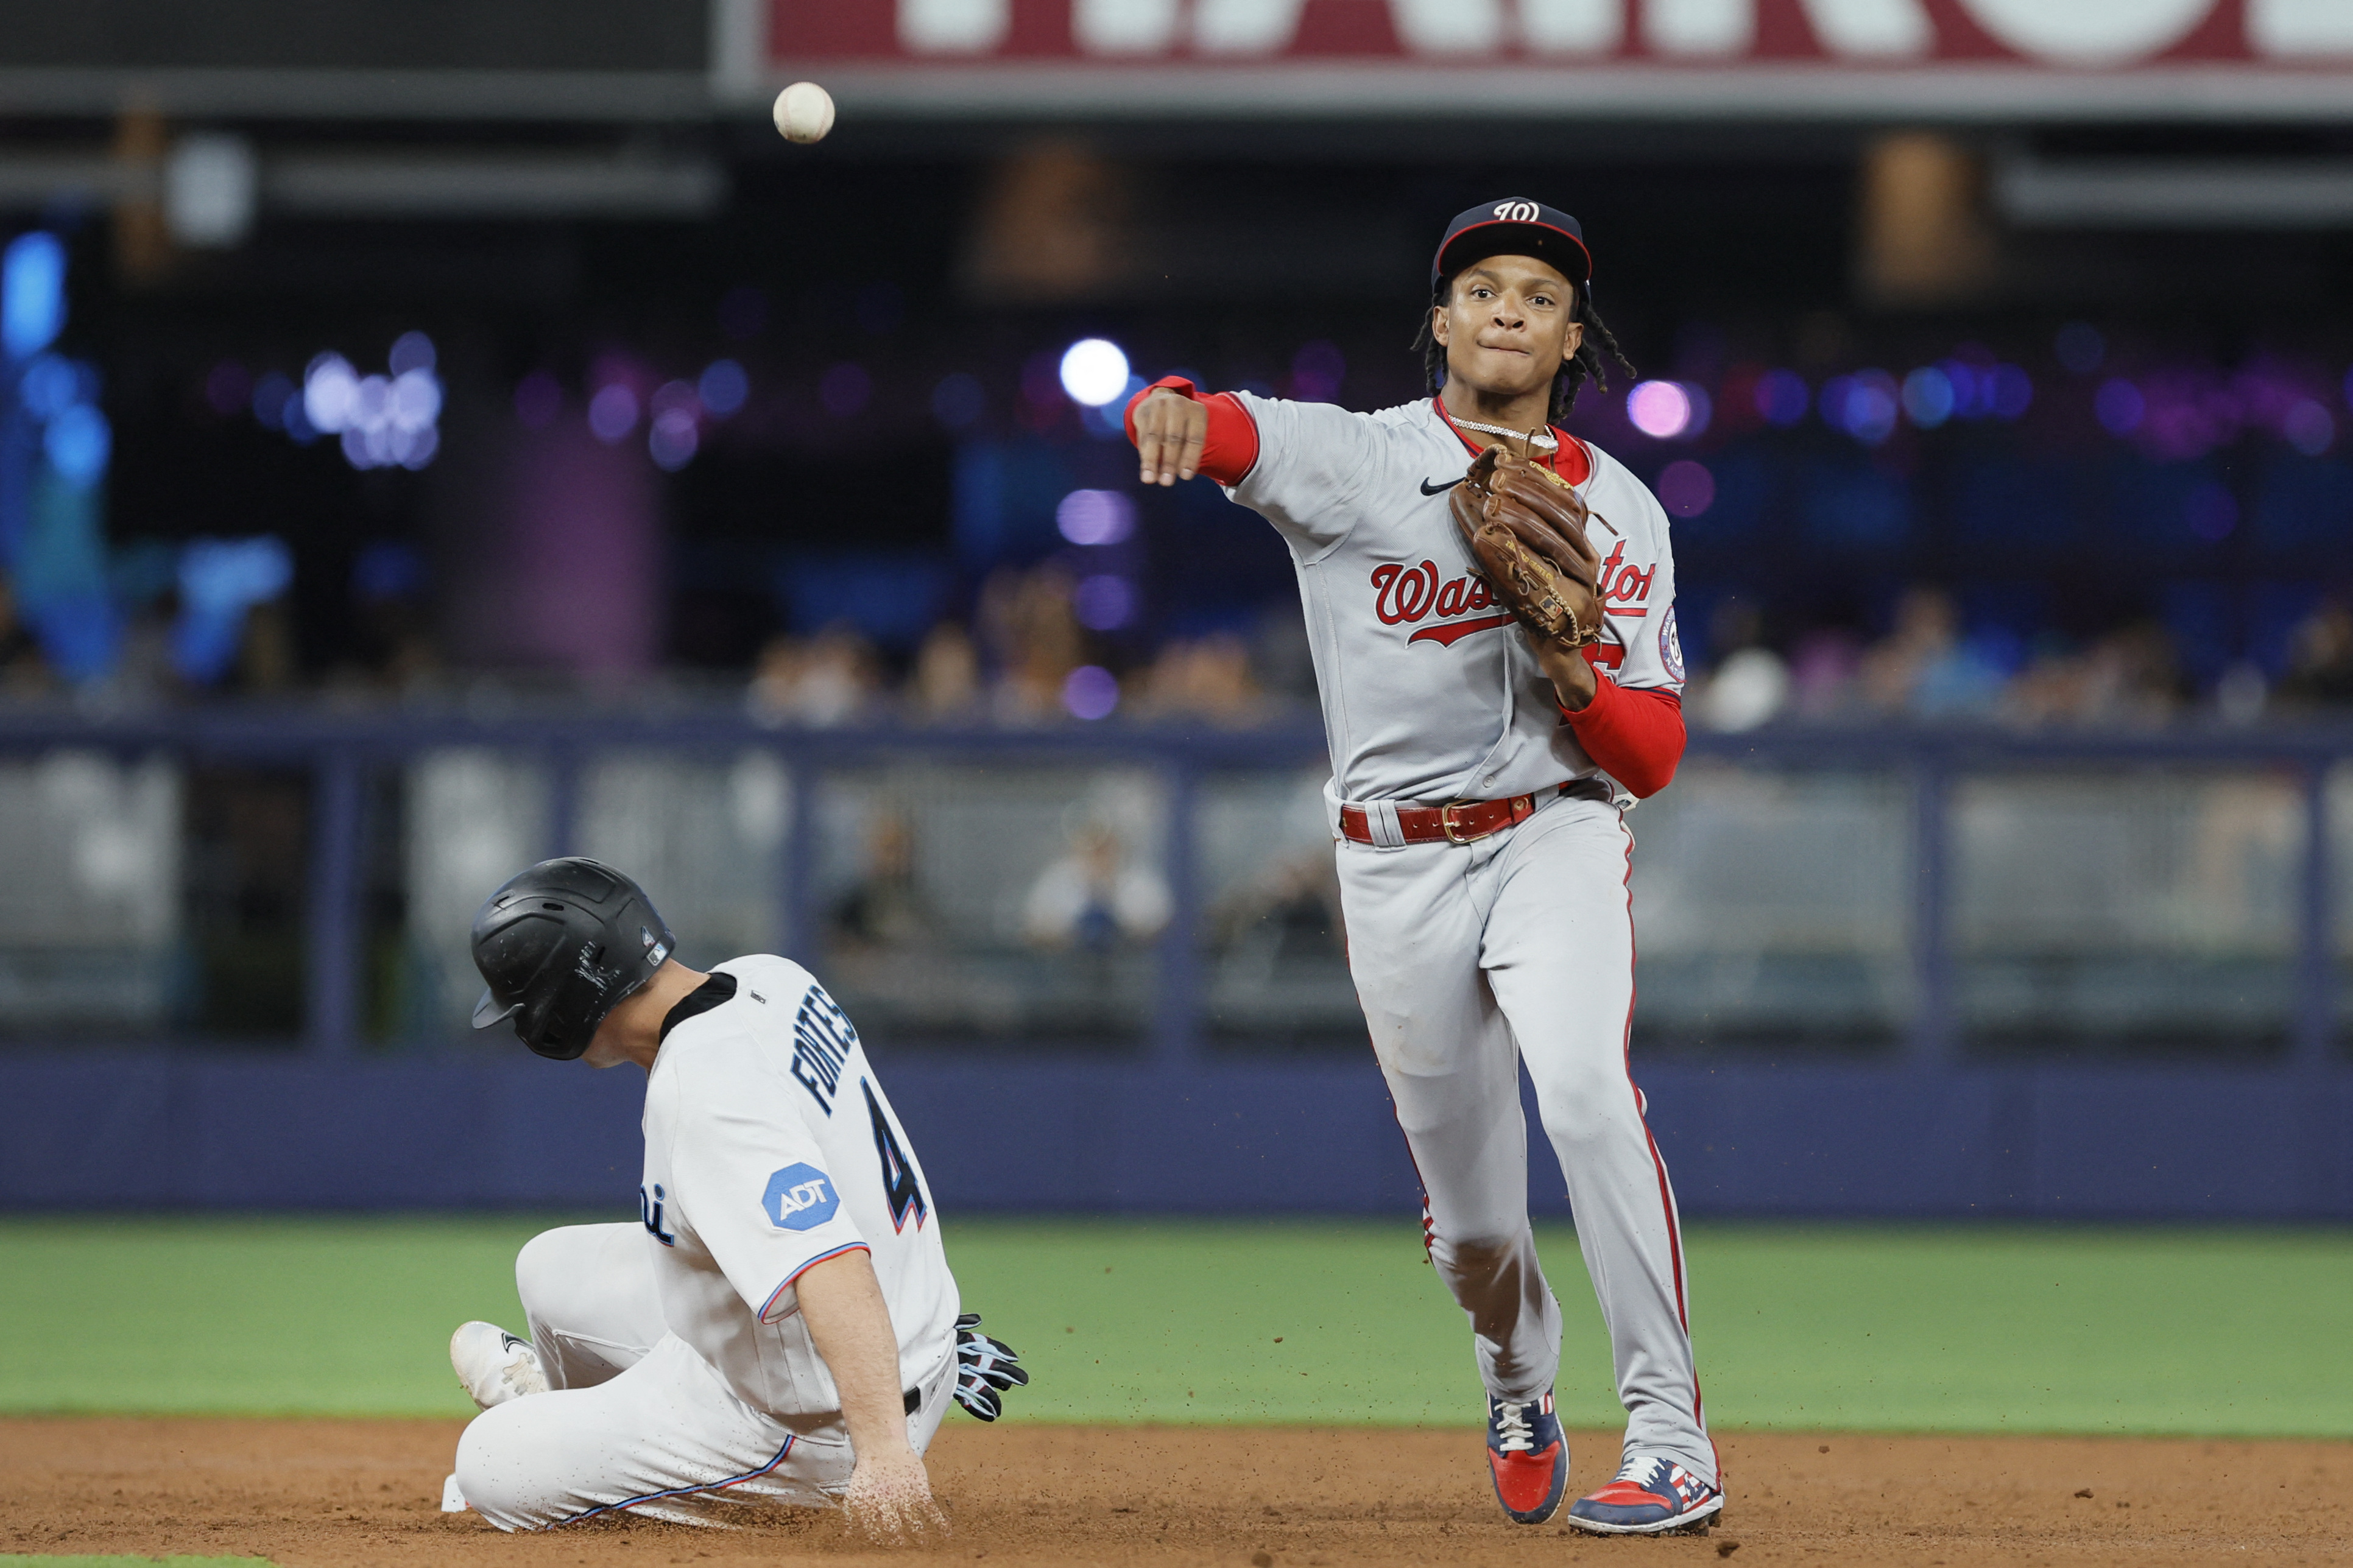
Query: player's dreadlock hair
[1588, 359]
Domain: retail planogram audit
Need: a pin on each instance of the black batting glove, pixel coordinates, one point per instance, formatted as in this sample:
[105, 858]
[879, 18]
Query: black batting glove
[984, 1369]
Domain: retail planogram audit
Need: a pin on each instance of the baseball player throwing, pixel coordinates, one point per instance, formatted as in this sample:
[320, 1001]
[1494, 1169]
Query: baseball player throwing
[1498, 672]
[780, 1324]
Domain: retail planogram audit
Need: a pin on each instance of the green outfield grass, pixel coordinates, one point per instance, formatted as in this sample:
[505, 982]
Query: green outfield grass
[1982, 1328]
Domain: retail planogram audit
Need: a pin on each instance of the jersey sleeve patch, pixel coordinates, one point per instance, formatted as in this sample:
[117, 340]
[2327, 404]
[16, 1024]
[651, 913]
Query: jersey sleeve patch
[1670, 648]
[800, 1197]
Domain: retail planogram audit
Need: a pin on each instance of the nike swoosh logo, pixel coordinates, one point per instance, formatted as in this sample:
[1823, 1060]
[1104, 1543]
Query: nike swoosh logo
[1429, 490]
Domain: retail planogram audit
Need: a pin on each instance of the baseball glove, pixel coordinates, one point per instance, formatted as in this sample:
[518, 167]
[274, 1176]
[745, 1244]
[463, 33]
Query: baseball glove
[986, 1368]
[1526, 528]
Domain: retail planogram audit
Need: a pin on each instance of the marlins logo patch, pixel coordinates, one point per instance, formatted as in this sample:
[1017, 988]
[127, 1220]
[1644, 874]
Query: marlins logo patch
[800, 1197]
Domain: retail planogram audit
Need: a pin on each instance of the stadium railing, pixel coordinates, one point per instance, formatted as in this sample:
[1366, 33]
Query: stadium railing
[2014, 935]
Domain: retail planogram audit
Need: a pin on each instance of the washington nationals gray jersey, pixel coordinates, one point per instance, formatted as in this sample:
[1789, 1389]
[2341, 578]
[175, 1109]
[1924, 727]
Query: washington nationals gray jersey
[1429, 693]
[1473, 959]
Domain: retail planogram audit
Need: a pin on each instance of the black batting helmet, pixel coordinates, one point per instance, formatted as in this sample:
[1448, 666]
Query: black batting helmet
[561, 944]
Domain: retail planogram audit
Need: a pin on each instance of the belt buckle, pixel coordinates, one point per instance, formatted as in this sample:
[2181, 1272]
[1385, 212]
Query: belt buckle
[1446, 822]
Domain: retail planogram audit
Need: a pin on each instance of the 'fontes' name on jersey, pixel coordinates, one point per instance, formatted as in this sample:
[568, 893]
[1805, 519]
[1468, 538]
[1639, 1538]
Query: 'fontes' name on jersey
[823, 1038]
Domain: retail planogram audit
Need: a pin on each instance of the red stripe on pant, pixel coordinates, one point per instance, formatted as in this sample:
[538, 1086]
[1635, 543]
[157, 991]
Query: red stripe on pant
[1657, 1162]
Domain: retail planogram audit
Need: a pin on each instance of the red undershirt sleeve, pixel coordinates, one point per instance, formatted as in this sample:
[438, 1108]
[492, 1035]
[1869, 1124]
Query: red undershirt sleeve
[1634, 735]
[1230, 448]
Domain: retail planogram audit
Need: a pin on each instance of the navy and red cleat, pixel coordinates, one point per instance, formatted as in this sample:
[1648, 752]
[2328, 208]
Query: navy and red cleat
[1528, 1457]
[1649, 1497]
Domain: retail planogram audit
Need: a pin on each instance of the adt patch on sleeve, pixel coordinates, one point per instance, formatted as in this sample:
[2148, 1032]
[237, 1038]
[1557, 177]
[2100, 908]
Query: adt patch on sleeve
[800, 1197]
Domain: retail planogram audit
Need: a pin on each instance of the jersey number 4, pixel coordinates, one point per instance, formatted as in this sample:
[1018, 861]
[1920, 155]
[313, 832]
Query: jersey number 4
[904, 1193]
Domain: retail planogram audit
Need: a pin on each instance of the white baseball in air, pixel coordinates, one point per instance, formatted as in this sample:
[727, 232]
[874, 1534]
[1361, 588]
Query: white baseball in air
[804, 113]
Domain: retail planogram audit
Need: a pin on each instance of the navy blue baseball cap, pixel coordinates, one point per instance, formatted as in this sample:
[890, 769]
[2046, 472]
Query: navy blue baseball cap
[1515, 226]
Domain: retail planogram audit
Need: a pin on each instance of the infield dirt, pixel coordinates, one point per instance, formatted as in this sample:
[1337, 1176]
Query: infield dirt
[335, 1492]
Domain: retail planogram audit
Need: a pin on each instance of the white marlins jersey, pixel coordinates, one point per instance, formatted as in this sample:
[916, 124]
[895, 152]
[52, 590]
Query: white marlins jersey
[769, 1148]
[1430, 693]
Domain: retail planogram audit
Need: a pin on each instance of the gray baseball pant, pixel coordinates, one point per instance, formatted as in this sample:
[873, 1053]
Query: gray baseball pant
[1470, 960]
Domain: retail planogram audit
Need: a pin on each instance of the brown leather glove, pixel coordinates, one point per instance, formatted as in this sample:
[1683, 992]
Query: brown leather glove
[1526, 528]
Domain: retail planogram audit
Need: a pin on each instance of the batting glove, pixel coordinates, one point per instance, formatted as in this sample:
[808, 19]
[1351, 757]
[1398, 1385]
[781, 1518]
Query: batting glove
[984, 1368]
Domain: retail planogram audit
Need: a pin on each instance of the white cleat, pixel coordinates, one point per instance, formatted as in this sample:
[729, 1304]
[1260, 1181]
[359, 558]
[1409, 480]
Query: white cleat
[493, 1366]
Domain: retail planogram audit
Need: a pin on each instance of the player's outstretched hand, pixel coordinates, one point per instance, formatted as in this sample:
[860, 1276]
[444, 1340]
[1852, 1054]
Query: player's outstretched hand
[985, 1369]
[1169, 430]
[889, 1502]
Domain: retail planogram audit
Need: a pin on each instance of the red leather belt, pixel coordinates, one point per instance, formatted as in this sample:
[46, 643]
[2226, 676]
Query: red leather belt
[1465, 821]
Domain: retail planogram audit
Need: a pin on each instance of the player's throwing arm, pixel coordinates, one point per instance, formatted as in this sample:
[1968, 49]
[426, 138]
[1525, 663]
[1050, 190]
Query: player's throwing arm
[1169, 430]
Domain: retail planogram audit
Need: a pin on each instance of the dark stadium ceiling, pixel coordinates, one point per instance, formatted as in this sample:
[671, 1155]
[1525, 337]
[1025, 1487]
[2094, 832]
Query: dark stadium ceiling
[533, 110]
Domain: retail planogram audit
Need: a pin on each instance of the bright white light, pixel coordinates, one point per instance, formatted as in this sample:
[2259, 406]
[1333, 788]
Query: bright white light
[1094, 372]
[330, 388]
[371, 404]
[1659, 409]
[1095, 517]
[209, 185]
[414, 401]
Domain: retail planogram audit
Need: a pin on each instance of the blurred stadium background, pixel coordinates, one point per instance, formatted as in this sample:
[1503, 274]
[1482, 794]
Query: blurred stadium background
[436, 436]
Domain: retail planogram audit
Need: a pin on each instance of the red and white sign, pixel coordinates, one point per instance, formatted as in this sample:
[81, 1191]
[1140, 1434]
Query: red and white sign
[1911, 58]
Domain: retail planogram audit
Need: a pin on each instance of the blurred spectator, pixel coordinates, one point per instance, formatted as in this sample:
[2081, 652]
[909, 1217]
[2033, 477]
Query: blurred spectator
[1290, 912]
[1824, 672]
[1094, 897]
[2128, 677]
[265, 654]
[1750, 683]
[886, 908]
[1034, 639]
[945, 685]
[831, 680]
[1206, 679]
[1925, 667]
[23, 672]
[1746, 690]
[2320, 660]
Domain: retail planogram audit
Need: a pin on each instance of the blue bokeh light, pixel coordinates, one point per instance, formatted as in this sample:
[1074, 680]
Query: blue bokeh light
[722, 387]
[1782, 398]
[79, 441]
[32, 293]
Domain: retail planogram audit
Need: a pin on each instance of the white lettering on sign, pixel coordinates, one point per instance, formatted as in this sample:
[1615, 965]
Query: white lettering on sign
[1709, 27]
[2300, 27]
[2062, 33]
[1573, 26]
[1245, 26]
[953, 27]
[1125, 26]
[1873, 29]
[2089, 32]
[1449, 27]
